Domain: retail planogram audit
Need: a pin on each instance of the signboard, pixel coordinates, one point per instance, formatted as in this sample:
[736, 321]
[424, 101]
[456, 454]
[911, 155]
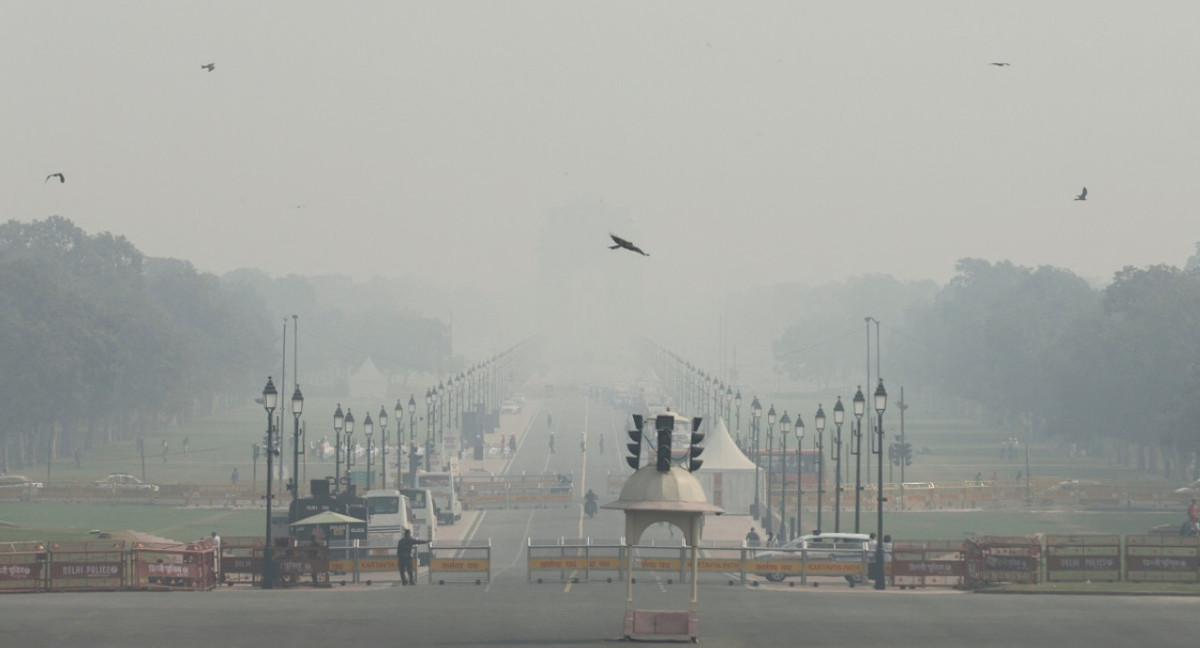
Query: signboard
[20, 572]
[85, 570]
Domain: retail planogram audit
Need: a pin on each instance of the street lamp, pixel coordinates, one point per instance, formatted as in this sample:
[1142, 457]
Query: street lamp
[383, 444]
[297, 407]
[860, 407]
[880, 405]
[770, 460]
[270, 400]
[799, 530]
[412, 441]
[349, 423]
[339, 420]
[728, 404]
[368, 429]
[737, 400]
[428, 427]
[785, 428]
[819, 421]
[755, 415]
[839, 416]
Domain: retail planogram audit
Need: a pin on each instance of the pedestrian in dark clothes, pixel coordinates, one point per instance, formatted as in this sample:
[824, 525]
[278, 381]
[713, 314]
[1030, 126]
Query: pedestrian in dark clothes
[405, 558]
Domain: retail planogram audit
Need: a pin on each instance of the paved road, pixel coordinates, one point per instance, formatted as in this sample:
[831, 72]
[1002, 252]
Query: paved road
[511, 612]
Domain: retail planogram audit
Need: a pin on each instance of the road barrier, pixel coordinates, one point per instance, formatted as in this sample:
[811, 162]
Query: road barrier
[1162, 558]
[515, 491]
[930, 563]
[22, 566]
[1083, 558]
[463, 563]
[1005, 559]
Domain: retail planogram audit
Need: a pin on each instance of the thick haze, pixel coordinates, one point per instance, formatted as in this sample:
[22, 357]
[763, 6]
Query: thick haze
[739, 144]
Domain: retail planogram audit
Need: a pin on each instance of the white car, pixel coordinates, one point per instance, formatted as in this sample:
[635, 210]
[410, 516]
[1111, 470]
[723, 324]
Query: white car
[120, 481]
[1192, 488]
[510, 407]
[9, 483]
[825, 546]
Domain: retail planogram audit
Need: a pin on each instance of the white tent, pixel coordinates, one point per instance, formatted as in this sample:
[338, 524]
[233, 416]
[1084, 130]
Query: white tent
[727, 474]
[368, 382]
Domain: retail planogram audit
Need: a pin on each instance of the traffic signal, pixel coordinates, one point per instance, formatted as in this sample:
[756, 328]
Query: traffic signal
[635, 448]
[665, 425]
[695, 449]
[906, 452]
[894, 453]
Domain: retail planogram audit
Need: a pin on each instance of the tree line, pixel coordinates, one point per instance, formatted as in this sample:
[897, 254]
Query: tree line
[1114, 369]
[99, 343]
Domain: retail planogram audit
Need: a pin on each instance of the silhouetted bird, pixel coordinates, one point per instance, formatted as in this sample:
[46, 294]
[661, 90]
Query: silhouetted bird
[622, 243]
[1082, 195]
[1000, 64]
[208, 67]
[61, 178]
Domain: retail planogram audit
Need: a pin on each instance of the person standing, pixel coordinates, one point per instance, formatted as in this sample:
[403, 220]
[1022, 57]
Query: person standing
[1193, 518]
[752, 538]
[405, 557]
[164, 451]
[512, 444]
[552, 442]
[233, 477]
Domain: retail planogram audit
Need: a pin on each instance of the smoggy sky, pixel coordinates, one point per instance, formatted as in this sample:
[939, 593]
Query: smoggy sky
[743, 143]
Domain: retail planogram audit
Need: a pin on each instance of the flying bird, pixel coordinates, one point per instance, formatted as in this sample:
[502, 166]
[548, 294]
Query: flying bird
[622, 243]
[61, 178]
[209, 67]
[1000, 64]
[1082, 195]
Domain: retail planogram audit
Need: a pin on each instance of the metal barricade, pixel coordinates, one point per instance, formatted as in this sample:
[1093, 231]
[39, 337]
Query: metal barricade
[462, 563]
[929, 563]
[173, 566]
[1162, 558]
[1083, 558]
[1004, 559]
[241, 559]
[82, 566]
[23, 566]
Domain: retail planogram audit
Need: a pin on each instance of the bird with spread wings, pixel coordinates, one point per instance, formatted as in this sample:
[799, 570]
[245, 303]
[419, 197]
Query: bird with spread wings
[1082, 195]
[622, 243]
[61, 178]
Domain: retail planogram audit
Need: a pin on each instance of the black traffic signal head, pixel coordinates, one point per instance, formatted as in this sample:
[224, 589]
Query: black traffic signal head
[695, 448]
[635, 448]
[664, 425]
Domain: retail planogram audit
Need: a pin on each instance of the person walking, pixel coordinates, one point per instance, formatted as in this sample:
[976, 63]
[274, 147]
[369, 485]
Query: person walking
[405, 558]
[1193, 519]
[512, 444]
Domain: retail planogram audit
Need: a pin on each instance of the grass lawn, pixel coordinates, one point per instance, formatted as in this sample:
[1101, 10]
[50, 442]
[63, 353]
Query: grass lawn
[69, 521]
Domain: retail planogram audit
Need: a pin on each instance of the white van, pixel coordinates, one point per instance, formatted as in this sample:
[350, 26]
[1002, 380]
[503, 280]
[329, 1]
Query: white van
[839, 547]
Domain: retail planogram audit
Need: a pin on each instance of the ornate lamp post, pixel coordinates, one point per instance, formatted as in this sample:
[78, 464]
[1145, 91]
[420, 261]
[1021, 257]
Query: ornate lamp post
[297, 407]
[785, 429]
[860, 406]
[428, 427]
[839, 416]
[799, 530]
[728, 404]
[819, 422]
[737, 401]
[349, 423]
[412, 441]
[399, 442]
[755, 415]
[368, 429]
[768, 524]
[383, 444]
[338, 421]
[880, 405]
[270, 400]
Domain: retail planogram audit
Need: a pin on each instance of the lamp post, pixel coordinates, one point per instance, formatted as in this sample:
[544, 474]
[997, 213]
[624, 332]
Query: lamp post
[819, 422]
[349, 423]
[785, 428]
[399, 411]
[860, 407]
[728, 404]
[297, 407]
[770, 460]
[755, 415]
[412, 441]
[428, 427]
[368, 429]
[338, 421]
[383, 444]
[799, 530]
[880, 405]
[839, 416]
[270, 398]
[737, 400]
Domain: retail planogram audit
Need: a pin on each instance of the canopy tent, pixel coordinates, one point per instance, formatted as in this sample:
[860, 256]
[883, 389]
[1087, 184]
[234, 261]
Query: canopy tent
[334, 527]
[727, 474]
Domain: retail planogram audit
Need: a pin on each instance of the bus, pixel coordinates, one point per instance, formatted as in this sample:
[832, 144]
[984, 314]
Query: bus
[444, 486]
[388, 516]
[424, 520]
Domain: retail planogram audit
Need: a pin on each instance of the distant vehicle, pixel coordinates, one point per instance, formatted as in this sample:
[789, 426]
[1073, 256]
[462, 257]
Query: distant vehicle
[121, 481]
[424, 520]
[510, 407]
[1072, 485]
[444, 487]
[1192, 488]
[18, 486]
[840, 547]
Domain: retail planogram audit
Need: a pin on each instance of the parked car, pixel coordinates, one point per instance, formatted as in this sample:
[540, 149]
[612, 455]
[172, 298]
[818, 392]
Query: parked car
[825, 546]
[1192, 488]
[510, 407]
[121, 481]
[18, 486]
